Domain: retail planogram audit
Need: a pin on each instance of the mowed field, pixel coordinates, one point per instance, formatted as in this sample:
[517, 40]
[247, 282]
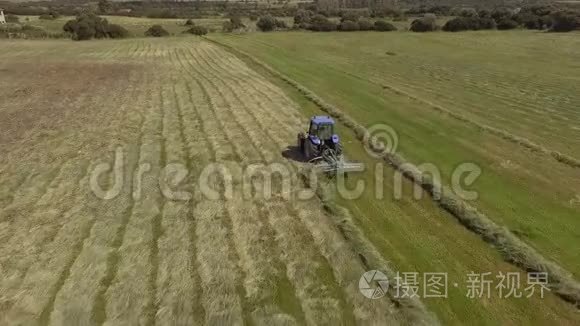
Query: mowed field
[68, 257]
[524, 83]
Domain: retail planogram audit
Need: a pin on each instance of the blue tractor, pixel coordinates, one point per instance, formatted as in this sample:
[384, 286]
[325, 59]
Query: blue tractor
[321, 146]
[319, 139]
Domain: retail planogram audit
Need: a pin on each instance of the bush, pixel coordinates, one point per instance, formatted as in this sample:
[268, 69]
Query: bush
[51, 15]
[189, 22]
[349, 16]
[227, 27]
[468, 12]
[117, 31]
[234, 23]
[529, 21]
[46, 17]
[12, 18]
[253, 17]
[383, 26]
[266, 23]
[319, 23]
[501, 14]
[86, 27]
[237, 22]
[156, 31]
[365, 25]
[507, 23]
[197, 30]
[160, 13]
[280, 24]
[427, 23]
[303, 17]
[469, 23]
[348, 26]
[564, 22]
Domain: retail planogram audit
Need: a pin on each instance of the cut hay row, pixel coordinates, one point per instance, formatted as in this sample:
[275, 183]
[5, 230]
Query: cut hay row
[253, 238]
[252, 116]
[58, 224]
[197, 151]
[223, 150]
[93, 270]
[34, 187]
[56, 240]
[345, 264]
[178, 290]
[303, 265]
[261, 275]
[130, 297]
[262, 92]
[510, 246]
[338, 252]
[219, 273]
[36, 249]
[260, 88]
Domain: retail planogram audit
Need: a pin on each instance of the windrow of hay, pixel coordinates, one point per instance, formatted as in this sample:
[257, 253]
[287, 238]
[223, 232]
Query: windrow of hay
[178, 289]
[513, 249]
[251, 233]
[220, 275]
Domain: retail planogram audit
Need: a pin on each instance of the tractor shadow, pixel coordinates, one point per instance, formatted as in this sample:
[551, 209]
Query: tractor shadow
[293, 153]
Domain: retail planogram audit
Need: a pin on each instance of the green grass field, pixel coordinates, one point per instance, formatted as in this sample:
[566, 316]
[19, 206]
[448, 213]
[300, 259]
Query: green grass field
[67, 257]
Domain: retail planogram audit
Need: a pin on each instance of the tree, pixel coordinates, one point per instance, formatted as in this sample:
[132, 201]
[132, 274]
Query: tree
[507, 23]
[348, 26]
[88, 26]
[365, 25]
[564, 22]
[189, 22]
[383, 26]
[266, 23]
[320, 23]
[428, 23]
[236, 22]
[197, 30]
[349, 16]
[104, 6]
[303, 17]
[156, 31]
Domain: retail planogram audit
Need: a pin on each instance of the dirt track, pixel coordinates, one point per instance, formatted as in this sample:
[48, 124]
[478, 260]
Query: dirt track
[68, 257]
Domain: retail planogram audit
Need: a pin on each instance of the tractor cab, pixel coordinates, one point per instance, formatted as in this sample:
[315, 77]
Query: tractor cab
[321, 131]
[320, 138]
